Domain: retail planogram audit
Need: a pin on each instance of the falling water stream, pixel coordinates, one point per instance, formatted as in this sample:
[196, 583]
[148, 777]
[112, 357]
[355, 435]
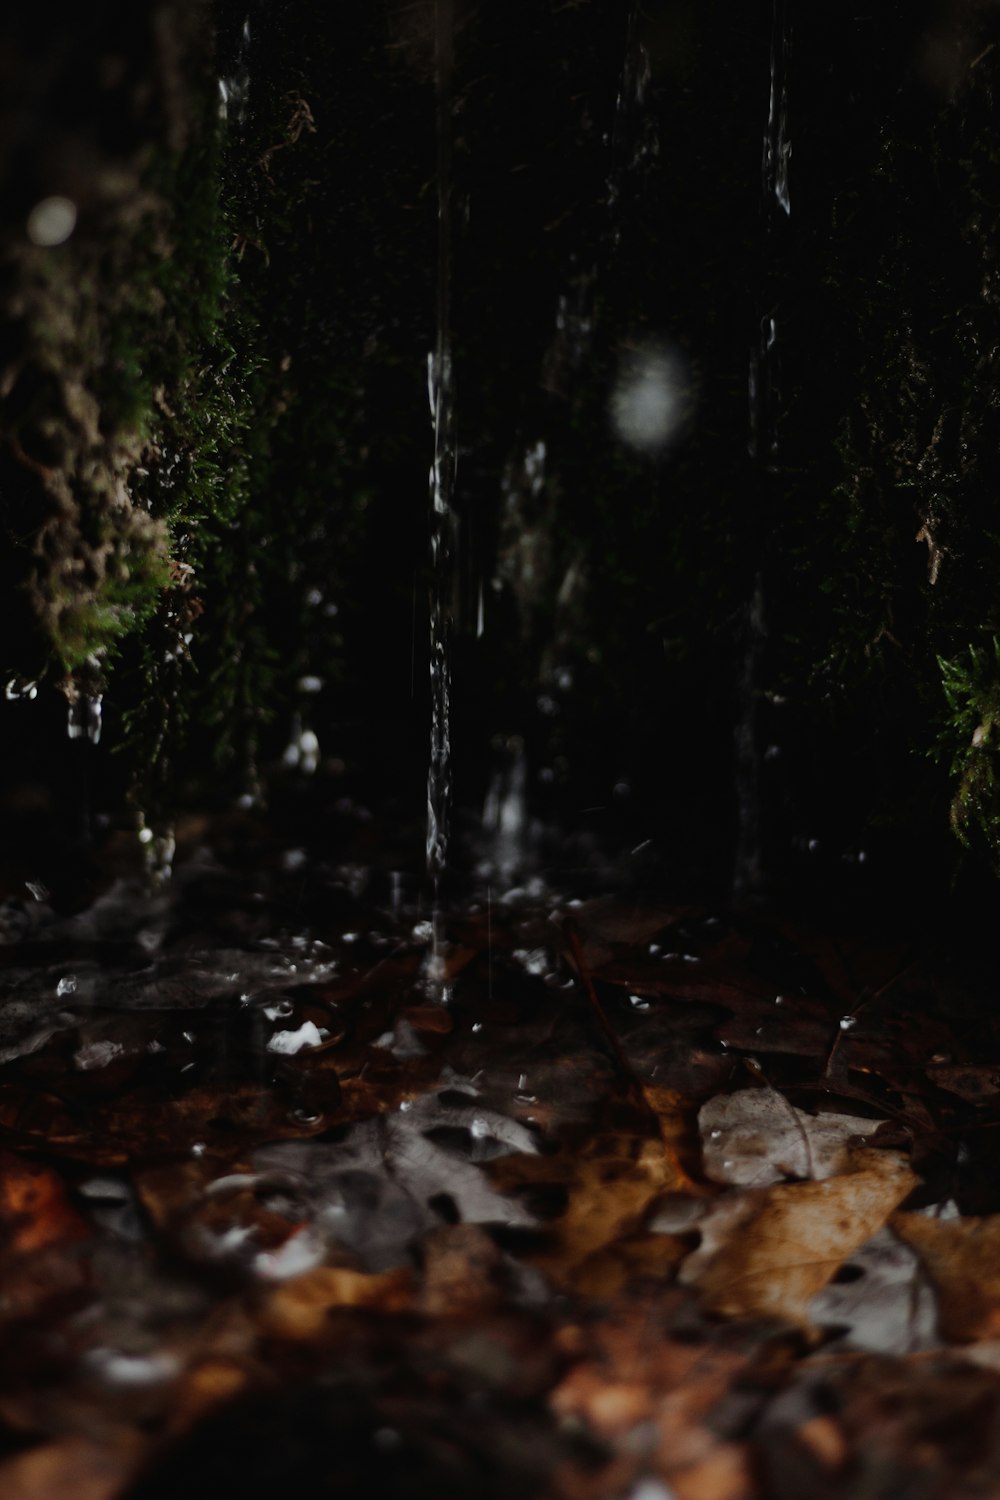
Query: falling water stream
[440, 387]
[762, 446]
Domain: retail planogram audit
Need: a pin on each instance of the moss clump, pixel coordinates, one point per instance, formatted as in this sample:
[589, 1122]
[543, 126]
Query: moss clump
[969, 741]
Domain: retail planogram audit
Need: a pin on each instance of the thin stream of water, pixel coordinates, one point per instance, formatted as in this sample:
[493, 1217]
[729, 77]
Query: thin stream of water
[440, 387]
[762, 446]
[777, 142]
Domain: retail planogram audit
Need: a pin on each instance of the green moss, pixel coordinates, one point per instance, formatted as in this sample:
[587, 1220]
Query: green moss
[969, 741]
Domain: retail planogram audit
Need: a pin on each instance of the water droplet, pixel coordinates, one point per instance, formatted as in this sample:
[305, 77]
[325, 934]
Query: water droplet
[280, 1010]
[199, 1148]
[303, 1116]
[779, 999]
[84, 718]
[477, 1026]
[302, 751]
[848, 1022]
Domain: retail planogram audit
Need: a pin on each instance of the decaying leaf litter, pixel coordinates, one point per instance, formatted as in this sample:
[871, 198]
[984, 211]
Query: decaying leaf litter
[662, 1202]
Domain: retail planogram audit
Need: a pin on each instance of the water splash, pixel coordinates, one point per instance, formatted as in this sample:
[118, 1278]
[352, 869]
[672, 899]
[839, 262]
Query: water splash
[159, 845]
[234, 84]
[84, 717]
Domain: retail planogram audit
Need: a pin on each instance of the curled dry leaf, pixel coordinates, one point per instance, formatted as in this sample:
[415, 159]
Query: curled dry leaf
[767, 1252]
[755, 1137]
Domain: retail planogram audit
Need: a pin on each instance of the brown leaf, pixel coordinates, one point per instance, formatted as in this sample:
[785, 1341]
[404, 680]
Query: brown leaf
[766, 1252]
[462, 1272]
[300, 1308]
[72, 1468]
[962, 1259]
[610, 1184]
[725, 1474]
[34, 1208]
[634, 1372]
[755, 1137]
[971, 1081]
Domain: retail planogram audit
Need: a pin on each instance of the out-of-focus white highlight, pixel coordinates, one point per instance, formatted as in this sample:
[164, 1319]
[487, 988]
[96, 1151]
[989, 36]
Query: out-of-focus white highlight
[651, 397]
[51, 221]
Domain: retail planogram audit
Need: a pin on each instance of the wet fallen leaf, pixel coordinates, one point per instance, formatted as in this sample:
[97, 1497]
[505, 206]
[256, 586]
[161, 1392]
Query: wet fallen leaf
[727, 1473]
[636, 1385]
[880, 1300]
[755, 1137]
[970, 1081]
[300, 1308]
[962, 1259]
[72, 1468]
[35, 1210]
[766, 1252]
[604, 1192]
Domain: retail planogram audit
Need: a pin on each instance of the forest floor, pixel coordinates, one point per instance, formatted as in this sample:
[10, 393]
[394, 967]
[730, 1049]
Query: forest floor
[660, 1202]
